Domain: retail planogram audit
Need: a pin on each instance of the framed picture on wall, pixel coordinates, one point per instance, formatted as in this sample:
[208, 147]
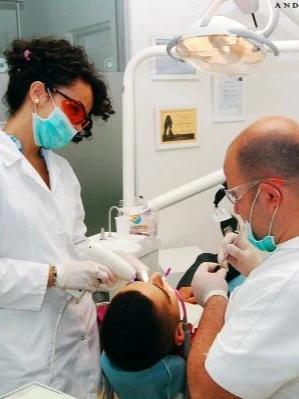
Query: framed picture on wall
[176, 127]
[166, 68]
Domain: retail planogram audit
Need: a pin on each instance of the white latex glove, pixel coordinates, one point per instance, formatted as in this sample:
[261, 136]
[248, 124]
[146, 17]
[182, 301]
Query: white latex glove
[142, 271]
[206, 282]
[86, 276]
[238, 251]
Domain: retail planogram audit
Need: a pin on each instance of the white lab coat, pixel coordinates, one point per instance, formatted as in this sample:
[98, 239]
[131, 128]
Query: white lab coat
[256, 354]
[38, 227]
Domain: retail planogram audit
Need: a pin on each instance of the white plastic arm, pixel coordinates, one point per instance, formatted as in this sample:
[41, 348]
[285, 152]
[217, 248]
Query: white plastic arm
[210, 12]
[129, 155]
[188, 190]
[247, 7]
[273, 20]
[287, 46]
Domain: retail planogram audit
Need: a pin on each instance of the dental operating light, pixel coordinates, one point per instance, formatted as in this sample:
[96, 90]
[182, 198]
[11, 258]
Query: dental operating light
[241, 51]
[223, 46]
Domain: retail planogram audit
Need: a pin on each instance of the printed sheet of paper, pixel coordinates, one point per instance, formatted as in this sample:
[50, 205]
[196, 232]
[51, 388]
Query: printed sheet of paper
[229, 99]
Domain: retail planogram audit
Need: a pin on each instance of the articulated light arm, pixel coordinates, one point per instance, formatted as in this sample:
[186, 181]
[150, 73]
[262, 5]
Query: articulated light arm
[211, 11]
[128, 123]
[252, 6]
[272, 22]
[186, 191]
[246, 6]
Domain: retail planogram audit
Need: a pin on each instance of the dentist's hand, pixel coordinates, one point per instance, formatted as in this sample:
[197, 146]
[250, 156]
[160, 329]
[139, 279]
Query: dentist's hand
[238, 251]
[142, 271]
[87, 276]
[207, 282]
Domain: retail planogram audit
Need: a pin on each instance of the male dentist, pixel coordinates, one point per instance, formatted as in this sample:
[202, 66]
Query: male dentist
[249, 347]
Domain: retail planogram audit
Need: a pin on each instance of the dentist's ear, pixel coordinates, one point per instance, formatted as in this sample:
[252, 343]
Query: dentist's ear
[179, 335]
[270, 196]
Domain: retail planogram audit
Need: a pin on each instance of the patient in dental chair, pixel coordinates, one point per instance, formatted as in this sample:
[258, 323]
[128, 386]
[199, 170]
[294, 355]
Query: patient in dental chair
[142, 337]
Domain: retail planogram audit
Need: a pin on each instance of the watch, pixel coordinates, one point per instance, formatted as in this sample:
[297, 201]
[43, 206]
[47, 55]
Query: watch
[60, 283]
[53, 274]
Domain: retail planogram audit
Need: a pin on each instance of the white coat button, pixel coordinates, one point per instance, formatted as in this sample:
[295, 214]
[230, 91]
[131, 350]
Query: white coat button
[83, 337]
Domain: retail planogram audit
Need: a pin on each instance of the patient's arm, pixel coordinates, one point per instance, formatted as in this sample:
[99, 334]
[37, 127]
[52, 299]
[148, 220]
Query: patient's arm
[201, 385]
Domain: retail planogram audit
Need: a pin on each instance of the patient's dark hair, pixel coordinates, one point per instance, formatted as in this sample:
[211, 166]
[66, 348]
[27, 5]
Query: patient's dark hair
[134, 335]
[55, 62]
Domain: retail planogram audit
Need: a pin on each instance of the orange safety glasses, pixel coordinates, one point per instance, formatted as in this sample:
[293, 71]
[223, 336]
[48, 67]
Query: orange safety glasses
[75, 111]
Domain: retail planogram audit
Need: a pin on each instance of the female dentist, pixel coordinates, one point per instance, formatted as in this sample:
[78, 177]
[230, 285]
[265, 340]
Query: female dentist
[46, 335]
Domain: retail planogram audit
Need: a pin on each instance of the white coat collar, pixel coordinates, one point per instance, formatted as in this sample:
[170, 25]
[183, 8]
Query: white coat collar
[293, 243]
[9, 153]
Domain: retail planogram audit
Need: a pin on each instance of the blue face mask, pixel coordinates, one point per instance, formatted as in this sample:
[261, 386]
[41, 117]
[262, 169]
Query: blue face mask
[56, 131]
[267, 243]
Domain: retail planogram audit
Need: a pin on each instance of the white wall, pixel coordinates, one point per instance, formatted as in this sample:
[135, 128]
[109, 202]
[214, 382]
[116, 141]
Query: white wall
[272, 91]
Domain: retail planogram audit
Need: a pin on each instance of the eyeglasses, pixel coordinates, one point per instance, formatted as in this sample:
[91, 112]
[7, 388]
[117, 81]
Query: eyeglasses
[76, 112]
[236, 193]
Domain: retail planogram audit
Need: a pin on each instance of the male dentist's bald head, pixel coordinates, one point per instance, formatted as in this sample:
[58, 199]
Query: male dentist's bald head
[269, 148]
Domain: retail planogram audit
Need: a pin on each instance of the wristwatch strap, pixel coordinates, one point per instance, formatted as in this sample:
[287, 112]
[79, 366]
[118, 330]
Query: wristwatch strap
[59, 281]
[53, 272]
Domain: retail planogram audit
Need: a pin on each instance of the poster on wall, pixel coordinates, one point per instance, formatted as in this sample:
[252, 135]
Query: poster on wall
[176, 127]
[166, 68]
[228, 99]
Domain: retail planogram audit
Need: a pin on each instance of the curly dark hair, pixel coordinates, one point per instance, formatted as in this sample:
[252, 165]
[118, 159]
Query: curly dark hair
[55, 62]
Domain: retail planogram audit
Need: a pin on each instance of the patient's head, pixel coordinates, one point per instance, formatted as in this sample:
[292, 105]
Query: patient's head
[142, 325]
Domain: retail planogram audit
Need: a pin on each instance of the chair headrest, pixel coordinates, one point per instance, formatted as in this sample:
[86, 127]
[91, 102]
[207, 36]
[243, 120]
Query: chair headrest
[164, 377]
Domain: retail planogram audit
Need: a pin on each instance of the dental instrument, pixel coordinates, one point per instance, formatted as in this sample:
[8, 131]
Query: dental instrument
[168, 271]
[97, 252]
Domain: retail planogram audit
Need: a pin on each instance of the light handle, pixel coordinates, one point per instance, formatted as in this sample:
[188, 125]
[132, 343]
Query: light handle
[248, 6]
